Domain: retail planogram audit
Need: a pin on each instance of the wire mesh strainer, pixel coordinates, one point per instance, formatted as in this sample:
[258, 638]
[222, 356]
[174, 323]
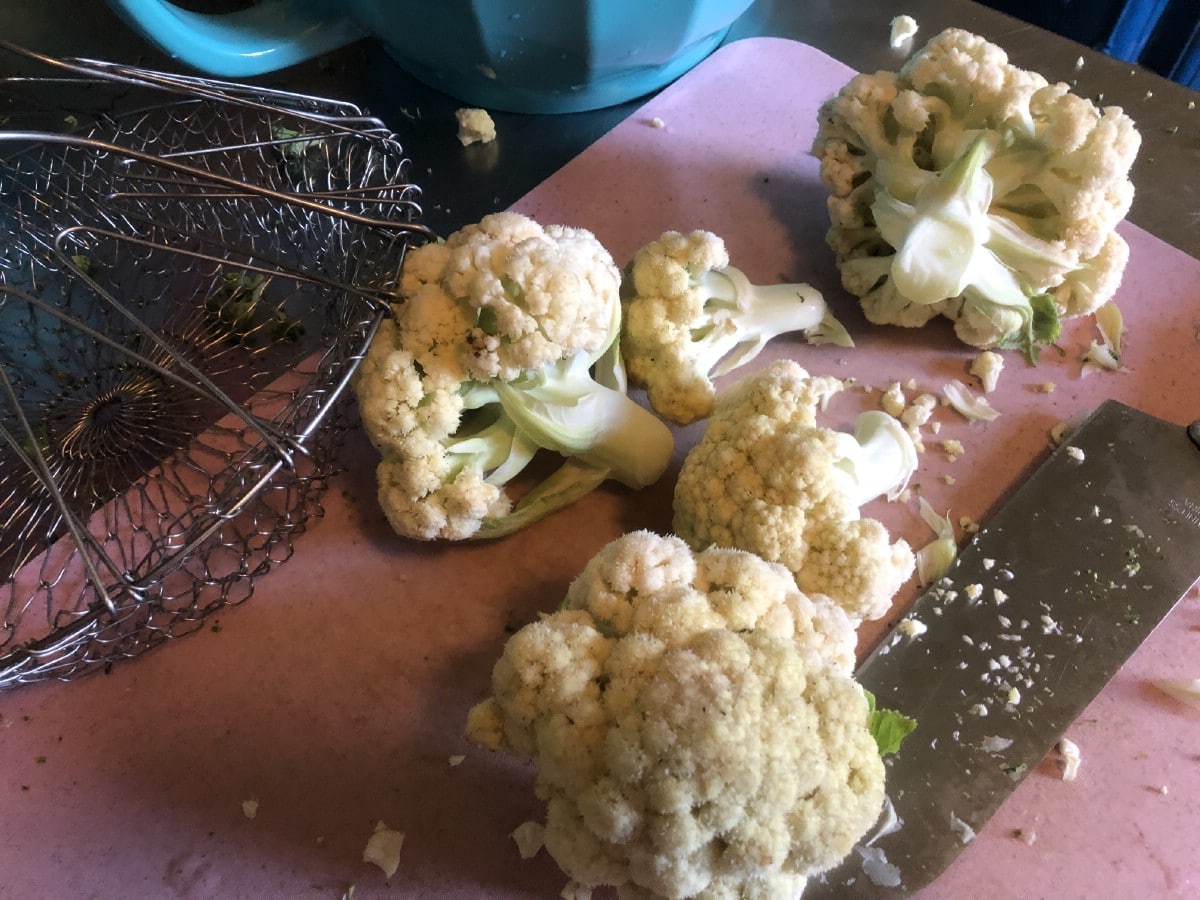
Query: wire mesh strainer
[190, 271]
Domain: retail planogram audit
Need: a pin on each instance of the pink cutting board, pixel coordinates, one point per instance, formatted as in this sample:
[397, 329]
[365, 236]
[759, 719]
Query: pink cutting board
[336, 697]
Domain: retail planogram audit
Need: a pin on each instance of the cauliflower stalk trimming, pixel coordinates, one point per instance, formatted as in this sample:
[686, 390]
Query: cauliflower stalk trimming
[503, 342]
[765, 477]
[695, 725]
[690, 317]
[965, 187]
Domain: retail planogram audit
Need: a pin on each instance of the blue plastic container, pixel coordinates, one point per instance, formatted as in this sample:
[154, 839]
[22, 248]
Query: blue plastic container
[536, 56]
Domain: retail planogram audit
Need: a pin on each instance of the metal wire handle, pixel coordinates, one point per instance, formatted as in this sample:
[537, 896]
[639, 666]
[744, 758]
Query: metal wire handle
[188, 280]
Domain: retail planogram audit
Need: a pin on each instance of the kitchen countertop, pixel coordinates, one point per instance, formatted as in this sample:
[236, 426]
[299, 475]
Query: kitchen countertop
[326, 728]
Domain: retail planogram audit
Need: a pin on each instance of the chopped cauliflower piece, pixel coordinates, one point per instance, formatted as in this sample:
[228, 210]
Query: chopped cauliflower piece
[986, 367]
[892, 400]
[530, 837]
[249, 808]
[475, 126]
[971, 406]
[1069, 758]
[903, 29]
[383, 849]
[953, 448]
[766, 477]
[911, 627]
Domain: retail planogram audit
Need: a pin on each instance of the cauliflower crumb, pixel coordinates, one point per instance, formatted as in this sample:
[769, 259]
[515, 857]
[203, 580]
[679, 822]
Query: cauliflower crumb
[1069, 758]
[986, 367]
[456, 760]
[383, 849]
[965, 832]
[249, 808]
[912, 627]
[968, 525]
[573, 890]
[949, 479]
[1046, 387]
[903, 29]
[530, 837]
[475, 126]
[656, 122]
[1013, 697]
[973, 591]
[892, 401]
[979, 710]
[999, 596]
[1075, 453]
[953, 448]
[919, 411]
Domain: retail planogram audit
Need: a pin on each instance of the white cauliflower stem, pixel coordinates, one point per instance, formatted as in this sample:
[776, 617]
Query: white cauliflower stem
[694, 723]
[690, 317]
[965, 187]
[486, 360]
[767, 478]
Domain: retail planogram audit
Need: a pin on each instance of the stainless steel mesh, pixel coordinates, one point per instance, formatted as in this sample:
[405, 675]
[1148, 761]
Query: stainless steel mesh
[190, 271]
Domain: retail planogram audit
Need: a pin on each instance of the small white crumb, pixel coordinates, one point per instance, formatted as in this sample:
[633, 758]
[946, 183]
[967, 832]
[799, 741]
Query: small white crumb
[456, 760]
[1013, 697]
[530, 837]
[1163, 790]
[1075, 453]
[656, 122]
[383, 849]
[973, 591]
[1026, 835]
[965, 832]
[249, 808]
[1046, 387]
[953, 448]
[968, 525]
[903, 28]
[475, 126]
[892, 402]
[1079, 63]
[986, 367]
[573, 890]
[912, 627]
[989, 564]
[979, 710]
[1069, 758]
[999, 596]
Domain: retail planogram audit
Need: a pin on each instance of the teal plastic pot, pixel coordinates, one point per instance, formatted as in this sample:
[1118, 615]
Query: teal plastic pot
[535, 56]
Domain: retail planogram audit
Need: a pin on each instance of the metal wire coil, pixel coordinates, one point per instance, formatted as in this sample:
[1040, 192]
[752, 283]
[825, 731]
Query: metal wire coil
[186, 289]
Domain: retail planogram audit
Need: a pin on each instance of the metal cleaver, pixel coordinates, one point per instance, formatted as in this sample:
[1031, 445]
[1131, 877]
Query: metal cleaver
[1037, 614]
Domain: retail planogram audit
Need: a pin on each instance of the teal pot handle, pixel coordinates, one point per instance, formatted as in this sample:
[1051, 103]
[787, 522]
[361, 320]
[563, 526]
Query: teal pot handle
[262, 38]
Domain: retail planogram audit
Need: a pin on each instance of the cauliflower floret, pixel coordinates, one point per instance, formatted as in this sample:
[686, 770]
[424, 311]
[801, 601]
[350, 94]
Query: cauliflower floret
[766, 478]
[694, 723]
[690, 316]
[485, 360]
[963, 186]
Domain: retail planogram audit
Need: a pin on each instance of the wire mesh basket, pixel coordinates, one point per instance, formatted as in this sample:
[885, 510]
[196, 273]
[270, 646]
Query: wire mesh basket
[190, 271]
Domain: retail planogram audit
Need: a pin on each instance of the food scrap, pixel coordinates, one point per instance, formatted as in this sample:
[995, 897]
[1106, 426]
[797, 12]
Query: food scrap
[383, 849]
[475, 126]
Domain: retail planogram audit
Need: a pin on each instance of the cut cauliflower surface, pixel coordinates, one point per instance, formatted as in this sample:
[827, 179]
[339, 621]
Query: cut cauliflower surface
[963, 186]
[767, 478]
[694, 723]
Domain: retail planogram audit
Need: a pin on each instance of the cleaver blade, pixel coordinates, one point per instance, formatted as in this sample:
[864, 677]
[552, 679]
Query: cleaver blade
[1036, 615]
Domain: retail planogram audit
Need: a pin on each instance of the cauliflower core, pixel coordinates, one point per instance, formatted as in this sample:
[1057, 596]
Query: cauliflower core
[695, 725]
[766, 478]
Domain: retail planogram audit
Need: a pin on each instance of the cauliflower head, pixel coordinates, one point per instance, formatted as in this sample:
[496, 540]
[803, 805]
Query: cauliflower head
[689, 316]
[765, 477]
[963, 186]
[485, 360]
[694, 722]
